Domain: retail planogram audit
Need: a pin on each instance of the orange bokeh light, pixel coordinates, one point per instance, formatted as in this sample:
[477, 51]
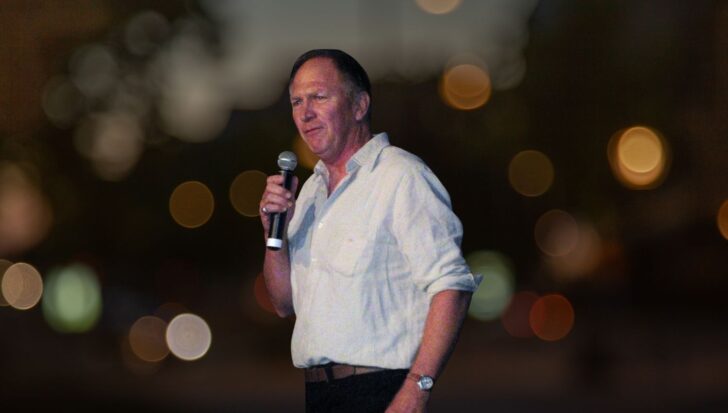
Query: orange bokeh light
[723, 219]
[146, 338]
[639, 157]
[551, 317]
[465, 87]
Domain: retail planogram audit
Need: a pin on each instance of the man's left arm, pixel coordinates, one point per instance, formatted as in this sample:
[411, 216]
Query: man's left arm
[442, 327]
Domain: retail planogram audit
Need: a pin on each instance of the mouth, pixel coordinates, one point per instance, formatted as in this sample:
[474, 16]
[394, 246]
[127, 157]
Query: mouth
[308, 131]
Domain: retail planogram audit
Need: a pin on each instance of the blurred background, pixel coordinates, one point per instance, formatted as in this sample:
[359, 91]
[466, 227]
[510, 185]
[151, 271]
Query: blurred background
[582, 144]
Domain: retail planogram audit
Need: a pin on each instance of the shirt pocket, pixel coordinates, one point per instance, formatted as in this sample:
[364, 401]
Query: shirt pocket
[350, 249]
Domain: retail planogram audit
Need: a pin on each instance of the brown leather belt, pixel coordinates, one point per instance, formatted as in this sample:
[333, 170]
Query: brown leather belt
[334, 371]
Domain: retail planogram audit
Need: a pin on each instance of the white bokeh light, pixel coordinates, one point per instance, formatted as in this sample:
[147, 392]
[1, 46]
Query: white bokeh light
[188, 336]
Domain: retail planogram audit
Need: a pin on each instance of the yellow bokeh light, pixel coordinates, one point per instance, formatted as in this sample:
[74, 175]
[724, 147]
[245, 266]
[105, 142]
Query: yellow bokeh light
[552, 317]
[146, 339]
[556, 233]
[188, 337]
[191, 204]
[531, 173]
[438, 6]
[639, 157]
[465, 86]
[723, 219]
[306, 158]
[22, 286]
[4, 265]
[246, 191]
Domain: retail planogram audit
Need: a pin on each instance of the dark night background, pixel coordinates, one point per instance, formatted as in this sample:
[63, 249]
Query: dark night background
[650, 317]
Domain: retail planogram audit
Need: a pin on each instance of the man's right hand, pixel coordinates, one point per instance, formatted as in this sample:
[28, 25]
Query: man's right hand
[275, 199]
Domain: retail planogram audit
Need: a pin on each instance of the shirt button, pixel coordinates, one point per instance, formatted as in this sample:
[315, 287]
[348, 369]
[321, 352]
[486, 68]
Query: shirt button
[321, 225]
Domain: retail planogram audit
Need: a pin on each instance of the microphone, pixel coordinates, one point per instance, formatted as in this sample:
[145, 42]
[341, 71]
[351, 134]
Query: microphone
[287, 161]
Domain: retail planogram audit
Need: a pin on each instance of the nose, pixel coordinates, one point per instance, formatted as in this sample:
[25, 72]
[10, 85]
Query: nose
[307, 112]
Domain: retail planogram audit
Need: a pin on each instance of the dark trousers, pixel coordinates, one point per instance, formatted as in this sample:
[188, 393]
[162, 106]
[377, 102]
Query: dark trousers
[363, 393]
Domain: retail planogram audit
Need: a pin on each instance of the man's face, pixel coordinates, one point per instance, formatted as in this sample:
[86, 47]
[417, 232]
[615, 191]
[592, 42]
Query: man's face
[322, 108]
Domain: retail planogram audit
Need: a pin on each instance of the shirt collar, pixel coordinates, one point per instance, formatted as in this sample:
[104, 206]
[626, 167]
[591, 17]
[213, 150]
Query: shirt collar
[365, 156]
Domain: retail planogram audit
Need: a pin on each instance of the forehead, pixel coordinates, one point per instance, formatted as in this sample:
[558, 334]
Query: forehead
[317, 72]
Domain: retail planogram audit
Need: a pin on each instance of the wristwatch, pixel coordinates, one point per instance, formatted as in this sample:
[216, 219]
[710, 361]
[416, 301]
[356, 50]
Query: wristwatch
[425, 383]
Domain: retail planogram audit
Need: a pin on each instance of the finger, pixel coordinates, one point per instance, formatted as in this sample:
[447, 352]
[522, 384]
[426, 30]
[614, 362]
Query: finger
[278, 190]
[275, 183]
[274, 199]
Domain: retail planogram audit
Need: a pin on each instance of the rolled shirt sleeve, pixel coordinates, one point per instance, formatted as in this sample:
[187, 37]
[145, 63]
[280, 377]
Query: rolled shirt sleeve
[429, 233]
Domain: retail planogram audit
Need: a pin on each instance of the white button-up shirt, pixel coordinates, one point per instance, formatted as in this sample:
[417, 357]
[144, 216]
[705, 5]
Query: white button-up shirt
[366, 260]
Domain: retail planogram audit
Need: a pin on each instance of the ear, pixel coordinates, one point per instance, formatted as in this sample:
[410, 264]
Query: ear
[361, 105]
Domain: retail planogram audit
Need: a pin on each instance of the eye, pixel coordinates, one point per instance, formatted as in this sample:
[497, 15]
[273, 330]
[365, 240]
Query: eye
[295, 102]
[320, 97]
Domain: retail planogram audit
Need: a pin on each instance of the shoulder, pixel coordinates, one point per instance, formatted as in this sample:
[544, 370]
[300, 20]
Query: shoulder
[413, 175]
[397, 161]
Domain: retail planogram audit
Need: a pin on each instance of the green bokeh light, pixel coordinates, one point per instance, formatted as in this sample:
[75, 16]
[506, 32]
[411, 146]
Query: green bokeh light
[72, 300]
[491, 298]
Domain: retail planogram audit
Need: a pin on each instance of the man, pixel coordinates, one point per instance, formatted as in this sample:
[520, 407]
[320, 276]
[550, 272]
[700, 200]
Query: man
[372, 268]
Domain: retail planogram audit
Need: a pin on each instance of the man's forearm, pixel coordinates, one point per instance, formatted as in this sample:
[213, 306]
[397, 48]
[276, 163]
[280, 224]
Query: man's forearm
[444, 321]
[277, 275]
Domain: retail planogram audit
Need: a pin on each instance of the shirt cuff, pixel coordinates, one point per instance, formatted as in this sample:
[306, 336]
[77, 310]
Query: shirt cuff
[460, 282]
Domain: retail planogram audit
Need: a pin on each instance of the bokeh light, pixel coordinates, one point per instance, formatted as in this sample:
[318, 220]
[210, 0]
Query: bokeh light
[194, 103]
[191, 204]
[72, 300]
[62, 101]
[465, 86]
[112, 141]
[145, 32]
[246, 191]
[135, 364]
[723, 219]
[581, 260]
[22, 286]
[147, 339]
[306, 158]
[188, 337]
[556, 233]
[94, 70]
[25, 215]
[262, 297]
[494, 293]
[438, 6]
[4, 265]
[515, 318]
[552, 317]
[531, 173]
[639, 157]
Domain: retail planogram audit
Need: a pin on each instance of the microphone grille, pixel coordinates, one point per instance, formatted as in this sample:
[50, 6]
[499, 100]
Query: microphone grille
[287, 160]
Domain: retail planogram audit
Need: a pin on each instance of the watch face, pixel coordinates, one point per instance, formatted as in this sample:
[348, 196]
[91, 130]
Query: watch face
[426, 382]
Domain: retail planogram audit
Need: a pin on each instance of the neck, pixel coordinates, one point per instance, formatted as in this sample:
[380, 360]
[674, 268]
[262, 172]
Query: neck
[337, 167]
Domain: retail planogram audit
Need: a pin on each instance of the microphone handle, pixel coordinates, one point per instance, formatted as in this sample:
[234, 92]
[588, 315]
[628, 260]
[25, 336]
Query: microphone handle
[278, 219]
